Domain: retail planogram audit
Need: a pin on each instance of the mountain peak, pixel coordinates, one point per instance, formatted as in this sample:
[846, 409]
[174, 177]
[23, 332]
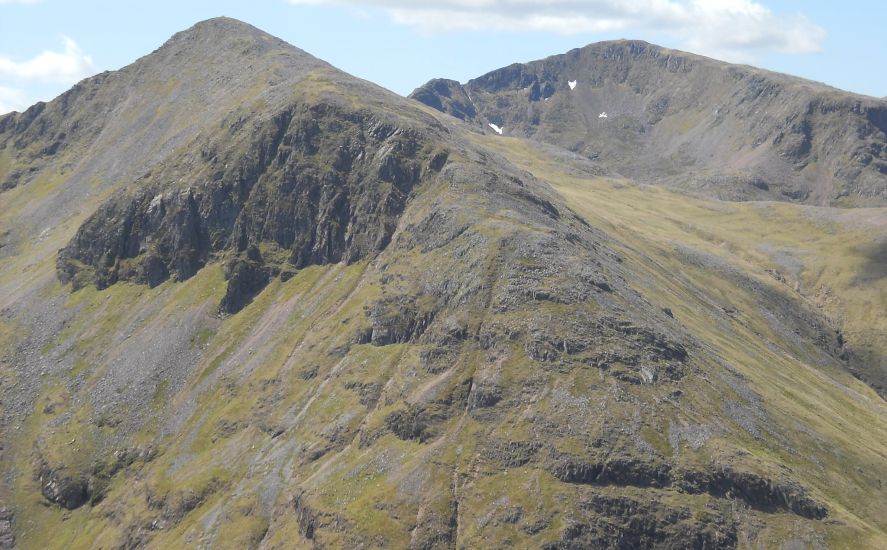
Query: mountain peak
[226, 33]
[623, 42]
[228, 52]
[225, 22]
[222, 26]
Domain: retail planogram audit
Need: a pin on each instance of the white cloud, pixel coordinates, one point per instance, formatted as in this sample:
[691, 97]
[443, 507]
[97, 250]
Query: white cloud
[12, 100]
[3, 2]
[730, 29]
[736, 29]
[65, 67]
[47, 69]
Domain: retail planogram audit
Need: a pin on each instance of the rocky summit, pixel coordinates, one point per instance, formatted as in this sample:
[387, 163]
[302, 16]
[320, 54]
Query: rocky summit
[663, 116]
[625, 297]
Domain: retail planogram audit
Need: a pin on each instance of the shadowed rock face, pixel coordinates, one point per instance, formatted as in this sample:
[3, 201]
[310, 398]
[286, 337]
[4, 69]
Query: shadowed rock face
[67, 492]
[447, 96]
[314, 184]
[622, 522]
[659, 115]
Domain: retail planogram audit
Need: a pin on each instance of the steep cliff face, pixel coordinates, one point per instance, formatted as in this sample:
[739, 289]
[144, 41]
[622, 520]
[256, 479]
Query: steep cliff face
[324, 317]
[314, 184]
[660, 115]
[112, 129]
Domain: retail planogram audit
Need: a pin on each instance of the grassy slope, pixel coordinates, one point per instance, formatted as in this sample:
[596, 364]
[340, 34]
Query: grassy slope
[200, 468]
[833, 258]
[270, 366]
[822, 258]
[98, 328]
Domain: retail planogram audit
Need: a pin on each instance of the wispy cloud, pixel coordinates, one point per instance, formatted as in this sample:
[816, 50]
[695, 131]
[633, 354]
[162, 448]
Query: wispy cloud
[6, 2]
[730, 29]
[64, 67]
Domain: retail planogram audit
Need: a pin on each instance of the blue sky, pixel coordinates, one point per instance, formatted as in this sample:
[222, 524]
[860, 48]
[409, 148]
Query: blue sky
[47, 45]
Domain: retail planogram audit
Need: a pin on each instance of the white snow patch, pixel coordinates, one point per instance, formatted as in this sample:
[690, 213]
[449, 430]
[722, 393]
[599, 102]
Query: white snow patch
[572, 84]
[603, 115]
[496, 128]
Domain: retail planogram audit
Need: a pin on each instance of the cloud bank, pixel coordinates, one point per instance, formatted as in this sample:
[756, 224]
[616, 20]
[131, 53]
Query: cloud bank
[735, 30]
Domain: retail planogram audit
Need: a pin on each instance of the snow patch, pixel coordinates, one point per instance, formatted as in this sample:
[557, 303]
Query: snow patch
[572, 84]
[496, 128]
[603, 115]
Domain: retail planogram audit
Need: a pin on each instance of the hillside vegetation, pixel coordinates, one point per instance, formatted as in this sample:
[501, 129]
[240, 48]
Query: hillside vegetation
[311, 313]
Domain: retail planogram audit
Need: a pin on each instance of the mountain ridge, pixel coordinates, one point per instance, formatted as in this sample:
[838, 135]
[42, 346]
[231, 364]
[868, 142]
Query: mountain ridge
[777, 135]
[314, 313]
[622, 43]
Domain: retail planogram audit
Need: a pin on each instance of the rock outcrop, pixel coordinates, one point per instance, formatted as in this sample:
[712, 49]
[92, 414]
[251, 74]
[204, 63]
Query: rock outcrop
[62, 489]
[314, 184]
[7, 527]
[447, 96]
